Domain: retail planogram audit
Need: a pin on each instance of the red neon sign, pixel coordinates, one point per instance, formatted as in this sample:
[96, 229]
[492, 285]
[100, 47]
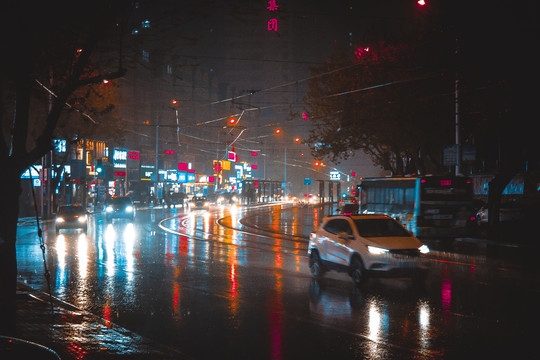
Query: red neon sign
[272, 24]
[446, 182]
[133, 155]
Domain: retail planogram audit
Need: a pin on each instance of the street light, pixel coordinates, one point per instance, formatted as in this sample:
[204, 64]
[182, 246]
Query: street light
[232, 120]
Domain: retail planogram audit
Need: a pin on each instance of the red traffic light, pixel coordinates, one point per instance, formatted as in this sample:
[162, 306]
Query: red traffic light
[277, 131]
[232, 121]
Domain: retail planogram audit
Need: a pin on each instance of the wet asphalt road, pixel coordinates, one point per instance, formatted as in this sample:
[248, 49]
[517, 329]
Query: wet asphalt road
[228, 283]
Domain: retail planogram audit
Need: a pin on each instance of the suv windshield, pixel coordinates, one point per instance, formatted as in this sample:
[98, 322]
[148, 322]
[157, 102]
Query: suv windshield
[379, 228]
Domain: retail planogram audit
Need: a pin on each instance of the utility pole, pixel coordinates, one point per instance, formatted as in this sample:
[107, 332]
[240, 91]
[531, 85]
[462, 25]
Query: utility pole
[156, 170]
[458, 140]
[456, 95]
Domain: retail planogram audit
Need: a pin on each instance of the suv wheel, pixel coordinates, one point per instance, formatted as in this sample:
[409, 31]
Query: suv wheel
[315, 265]
[357, 272]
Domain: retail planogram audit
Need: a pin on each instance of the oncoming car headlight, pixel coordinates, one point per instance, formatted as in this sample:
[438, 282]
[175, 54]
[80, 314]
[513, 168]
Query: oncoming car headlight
[129, 208]
[81, 219]
[377, 250]
[59, 220]
[424, 249]
[109, 209]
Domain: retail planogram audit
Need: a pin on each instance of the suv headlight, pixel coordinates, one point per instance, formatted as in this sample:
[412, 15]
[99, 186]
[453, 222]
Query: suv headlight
[129, 208]
[59, 220]
[377, 250]
[82, 219]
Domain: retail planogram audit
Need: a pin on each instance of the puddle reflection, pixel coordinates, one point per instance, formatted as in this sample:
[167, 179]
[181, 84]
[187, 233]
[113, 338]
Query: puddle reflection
[375, 315]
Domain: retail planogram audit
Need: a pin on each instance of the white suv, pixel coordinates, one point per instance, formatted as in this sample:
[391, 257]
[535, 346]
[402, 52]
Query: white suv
[362, 244]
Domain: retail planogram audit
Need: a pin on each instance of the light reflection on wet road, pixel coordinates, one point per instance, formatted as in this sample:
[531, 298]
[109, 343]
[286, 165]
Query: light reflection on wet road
[234, 283]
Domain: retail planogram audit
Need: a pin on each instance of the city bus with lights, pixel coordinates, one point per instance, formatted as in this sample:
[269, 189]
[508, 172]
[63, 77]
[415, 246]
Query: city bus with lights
[428, 206]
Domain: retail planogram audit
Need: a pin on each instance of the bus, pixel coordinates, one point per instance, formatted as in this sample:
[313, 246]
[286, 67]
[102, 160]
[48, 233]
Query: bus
[428, 206]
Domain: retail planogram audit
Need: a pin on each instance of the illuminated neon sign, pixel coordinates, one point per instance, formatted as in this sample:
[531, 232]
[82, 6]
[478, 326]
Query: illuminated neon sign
[133, 155]
[272, 24]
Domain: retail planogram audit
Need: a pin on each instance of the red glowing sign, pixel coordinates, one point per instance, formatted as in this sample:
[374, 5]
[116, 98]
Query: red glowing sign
[272, 24]
[133, 155]
[119, 173]
[446, 182]
[169, 152]
[232, 156]
[272, 5]
[183, 166]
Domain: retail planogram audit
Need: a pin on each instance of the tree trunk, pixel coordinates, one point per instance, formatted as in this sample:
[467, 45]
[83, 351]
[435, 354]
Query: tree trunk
[9, 193]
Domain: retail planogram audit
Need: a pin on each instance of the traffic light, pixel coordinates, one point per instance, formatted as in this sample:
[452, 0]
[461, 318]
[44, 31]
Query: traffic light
[99, 167]
[277, 131]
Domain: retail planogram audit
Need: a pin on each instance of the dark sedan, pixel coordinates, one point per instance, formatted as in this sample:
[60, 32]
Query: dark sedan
[71, 217]
[120, 207]
[200, 202]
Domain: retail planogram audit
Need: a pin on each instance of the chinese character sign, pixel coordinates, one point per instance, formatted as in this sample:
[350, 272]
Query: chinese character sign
[272, 24]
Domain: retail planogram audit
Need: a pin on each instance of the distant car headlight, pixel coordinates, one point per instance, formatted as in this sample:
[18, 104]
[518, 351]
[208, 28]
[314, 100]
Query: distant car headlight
[129, 209]
[424, 249]
[82, 219]
[60, 220]
[377, 250]
[206, 204]
[109, 208]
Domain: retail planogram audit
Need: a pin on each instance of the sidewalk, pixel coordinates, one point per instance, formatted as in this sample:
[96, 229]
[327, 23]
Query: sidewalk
[74, 334]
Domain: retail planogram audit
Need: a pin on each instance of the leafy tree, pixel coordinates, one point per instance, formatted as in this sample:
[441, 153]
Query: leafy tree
[40, 41]
[378, 101]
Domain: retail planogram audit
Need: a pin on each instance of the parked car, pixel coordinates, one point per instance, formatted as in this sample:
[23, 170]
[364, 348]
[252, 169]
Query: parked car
[71, 217]
[509, 211]
[199, 202]
[364, 245]
[120, 207]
